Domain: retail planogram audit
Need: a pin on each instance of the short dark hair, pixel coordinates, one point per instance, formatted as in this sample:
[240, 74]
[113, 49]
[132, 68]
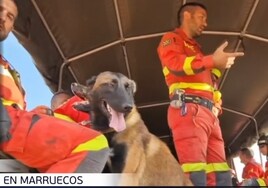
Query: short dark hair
[247, 152]
[188, 7]
[59, 93]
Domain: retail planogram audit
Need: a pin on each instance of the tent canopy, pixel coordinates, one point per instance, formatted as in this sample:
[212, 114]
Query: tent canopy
[72, 40]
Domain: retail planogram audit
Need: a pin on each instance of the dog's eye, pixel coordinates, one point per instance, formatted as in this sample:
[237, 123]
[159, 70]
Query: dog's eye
[111, 84]
[114, 81]
[126, 85]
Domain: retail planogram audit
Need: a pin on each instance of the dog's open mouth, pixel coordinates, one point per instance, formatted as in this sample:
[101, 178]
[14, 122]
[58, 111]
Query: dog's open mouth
[117, 120]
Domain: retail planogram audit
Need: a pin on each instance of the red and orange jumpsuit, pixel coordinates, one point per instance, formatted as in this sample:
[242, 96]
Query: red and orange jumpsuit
[45, 142]
[197, 135]
[67, 112]
[263, 182]
[265, 179]
[252, 170]
[255, 179]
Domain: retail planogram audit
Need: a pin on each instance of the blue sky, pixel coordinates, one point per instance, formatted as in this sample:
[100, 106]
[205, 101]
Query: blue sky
[37, 92]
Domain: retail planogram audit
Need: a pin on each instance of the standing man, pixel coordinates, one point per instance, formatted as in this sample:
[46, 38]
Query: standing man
[263, 145]
[38, 140]
[193, 92]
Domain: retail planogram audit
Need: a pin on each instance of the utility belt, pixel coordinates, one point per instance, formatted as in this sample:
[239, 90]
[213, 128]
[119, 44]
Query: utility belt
[180, 99]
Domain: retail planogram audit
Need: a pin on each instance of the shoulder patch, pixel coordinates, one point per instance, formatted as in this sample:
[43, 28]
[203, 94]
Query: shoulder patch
[166, 42]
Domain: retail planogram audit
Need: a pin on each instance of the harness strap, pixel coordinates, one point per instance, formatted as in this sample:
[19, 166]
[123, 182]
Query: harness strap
[10, 103]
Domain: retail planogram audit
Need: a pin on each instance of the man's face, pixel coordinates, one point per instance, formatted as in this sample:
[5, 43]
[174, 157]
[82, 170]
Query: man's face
[263, 149]
[198, 22]
[242, 157]
[8, 14]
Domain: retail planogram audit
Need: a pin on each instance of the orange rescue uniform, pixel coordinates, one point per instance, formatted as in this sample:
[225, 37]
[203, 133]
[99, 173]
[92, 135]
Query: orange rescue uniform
[196, 134]
[68, 112]
[258, 181]
[41, 141]
[252, 170]
[264, 180]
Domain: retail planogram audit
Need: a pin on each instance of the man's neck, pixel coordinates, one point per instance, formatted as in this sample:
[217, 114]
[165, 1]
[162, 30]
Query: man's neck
[249, 160]
[186, 31]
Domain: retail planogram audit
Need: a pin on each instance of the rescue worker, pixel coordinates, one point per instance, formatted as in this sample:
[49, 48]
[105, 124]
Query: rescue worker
[59, 98]
[62, 105]
[260, 182]
[252, 169]
[38, 140]
[188, 74]
[263, 145]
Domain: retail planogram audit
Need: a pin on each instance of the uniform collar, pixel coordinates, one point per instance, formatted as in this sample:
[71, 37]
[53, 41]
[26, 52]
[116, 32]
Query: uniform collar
[185, 37]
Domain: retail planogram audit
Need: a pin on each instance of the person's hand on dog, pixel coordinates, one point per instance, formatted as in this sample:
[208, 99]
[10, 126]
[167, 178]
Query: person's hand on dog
[42, 109]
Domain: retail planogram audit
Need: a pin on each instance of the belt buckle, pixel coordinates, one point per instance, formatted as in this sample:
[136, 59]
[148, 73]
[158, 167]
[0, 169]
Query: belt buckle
[197, 100]
[177, 100]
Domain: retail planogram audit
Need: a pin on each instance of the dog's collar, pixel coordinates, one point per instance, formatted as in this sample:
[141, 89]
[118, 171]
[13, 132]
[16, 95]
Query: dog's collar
[108, 131]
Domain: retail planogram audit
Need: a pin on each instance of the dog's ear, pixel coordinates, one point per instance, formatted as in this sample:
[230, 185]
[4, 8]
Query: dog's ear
[80, 90]
[91, 81]
[133, 86]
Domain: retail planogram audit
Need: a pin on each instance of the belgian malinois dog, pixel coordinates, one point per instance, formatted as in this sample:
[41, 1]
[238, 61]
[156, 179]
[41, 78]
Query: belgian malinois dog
[135, 150]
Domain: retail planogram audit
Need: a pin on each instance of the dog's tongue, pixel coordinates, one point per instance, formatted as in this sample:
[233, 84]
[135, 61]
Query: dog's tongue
[117, 121]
